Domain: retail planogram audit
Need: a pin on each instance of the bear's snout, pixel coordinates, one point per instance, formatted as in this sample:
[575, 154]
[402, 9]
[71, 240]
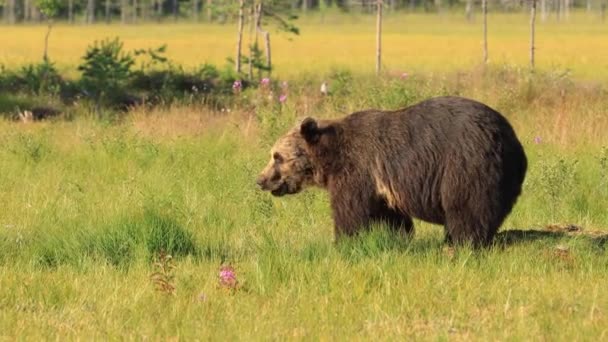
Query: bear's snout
[261, 182]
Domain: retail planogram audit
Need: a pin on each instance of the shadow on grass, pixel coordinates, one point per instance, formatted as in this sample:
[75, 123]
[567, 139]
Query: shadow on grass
[552, 235]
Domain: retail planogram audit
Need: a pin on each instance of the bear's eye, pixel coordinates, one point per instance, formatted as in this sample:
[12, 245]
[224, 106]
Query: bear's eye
[277, 157]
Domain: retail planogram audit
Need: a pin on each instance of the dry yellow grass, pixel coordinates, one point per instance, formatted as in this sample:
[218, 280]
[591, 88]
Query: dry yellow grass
[411, 43]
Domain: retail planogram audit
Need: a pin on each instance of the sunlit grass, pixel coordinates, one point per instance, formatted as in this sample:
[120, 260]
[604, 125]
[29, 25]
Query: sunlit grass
[412, 42]
[87, 205]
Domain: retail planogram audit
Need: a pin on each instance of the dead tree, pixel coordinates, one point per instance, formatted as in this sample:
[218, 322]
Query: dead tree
[378, 36]
[484, 9]
[107, 12]
[239, 37]
[71, 11]
[532, 23]
[195, 10]
[90, 11]
[124, 9]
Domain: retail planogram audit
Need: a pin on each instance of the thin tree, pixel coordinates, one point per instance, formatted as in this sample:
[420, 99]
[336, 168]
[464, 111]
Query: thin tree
[134, 13]
[239, 37]
[9, 11]
[26, 10]
[252, 33]
[532, 23]
[50, 9]
[209, 10]
[107, 12]
[159, 9]
[175, 10]
[90, 11]
[378, 36]
[265, 34]
[195, 10]
[543, 10]
[484, 9]
[124, 8]
[469, 10]
[71, 11]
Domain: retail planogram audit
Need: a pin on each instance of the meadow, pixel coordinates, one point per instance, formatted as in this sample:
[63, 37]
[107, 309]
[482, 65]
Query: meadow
[89, 207]
[412, 43]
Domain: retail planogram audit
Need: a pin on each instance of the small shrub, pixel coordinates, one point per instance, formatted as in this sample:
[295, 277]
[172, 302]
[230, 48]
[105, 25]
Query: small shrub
[105, 70]
[556, 179]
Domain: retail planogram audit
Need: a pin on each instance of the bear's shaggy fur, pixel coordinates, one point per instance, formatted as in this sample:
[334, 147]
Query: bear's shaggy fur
[447, 160]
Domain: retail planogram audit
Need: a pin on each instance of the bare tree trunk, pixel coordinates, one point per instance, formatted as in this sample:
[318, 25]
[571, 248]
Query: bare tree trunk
[484, 9]
[378, 36]
[26, 10]
[9, 11]
[108, 7]
[124, 8]
[268, 54]
[252, 32]
[209, 10]
[134, 14]
[144, 9]
[543, 10]
[469, 10]
[304, 6]
[195, 10]
[603, 11]
[159, 9]
[45, 56]
[71, 11]
[239, 37]
[90, 11]
[266, 35]
[588, 6]
[532, 23]
[175, 6]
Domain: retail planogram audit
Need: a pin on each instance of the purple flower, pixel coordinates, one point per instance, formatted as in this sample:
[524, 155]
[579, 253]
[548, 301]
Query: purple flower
[227, 277]
[265, 81]
[537, 140]
[283, 98]
[236, 86]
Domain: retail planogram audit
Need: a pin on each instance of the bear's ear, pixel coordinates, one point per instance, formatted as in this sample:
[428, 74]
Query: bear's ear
[310, 130]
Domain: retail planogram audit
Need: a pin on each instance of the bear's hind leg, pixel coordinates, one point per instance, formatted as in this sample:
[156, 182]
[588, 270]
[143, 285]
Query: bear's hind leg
[396, 221]
[463, 228]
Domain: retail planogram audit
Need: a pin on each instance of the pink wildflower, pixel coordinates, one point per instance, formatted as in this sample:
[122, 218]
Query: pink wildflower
[228, 277]
[236, 86]
[265, 81]
[537, 140]
[283, 98]
[404, 75]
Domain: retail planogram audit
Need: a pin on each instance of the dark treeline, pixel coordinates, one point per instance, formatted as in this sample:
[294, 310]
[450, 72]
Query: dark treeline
[133, 11]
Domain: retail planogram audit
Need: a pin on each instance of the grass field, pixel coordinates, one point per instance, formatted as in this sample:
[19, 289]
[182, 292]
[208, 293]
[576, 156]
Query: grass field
[413, 43]
[86, 207]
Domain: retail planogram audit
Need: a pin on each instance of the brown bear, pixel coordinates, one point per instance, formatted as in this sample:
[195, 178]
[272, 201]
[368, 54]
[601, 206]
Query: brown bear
[446, 160]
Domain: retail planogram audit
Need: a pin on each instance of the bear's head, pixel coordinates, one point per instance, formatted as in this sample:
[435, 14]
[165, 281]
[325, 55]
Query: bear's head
[291, 167]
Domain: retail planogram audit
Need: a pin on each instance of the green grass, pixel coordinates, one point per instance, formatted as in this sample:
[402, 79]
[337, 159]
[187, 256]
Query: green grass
[87, 206]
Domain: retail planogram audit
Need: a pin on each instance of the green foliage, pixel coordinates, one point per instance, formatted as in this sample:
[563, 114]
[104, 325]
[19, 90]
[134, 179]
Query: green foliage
[49, 8]
[556, 181]
[105, 69]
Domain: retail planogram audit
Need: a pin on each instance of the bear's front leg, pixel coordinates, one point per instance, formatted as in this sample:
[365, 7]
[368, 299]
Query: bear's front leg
[351, 210]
